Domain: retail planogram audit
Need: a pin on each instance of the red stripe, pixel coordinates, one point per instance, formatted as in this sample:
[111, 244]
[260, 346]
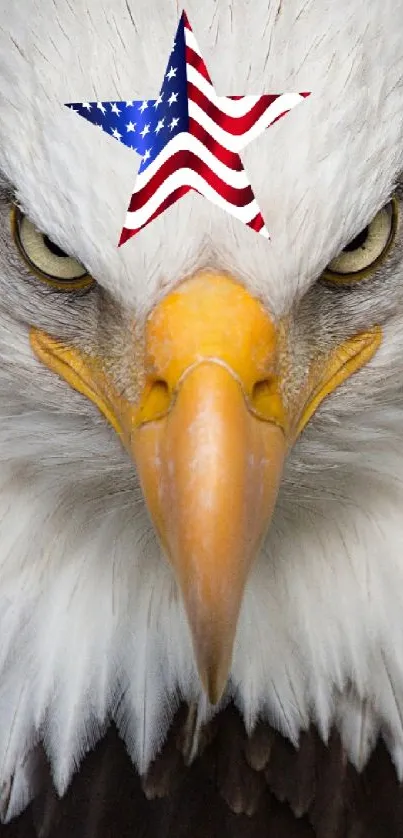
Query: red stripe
[228, 158]
[197, 62]
[235, 125]
[188, 160]
[280, 116]
[257, 223]
[167, 202]
[125, 235]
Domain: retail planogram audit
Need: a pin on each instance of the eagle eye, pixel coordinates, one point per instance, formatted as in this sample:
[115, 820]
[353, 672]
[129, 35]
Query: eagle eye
[367, 250]
[47, 260]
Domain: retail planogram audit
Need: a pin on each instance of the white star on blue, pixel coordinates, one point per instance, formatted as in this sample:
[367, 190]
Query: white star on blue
[147, 126]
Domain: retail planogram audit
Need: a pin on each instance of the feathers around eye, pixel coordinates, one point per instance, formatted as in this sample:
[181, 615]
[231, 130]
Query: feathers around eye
[45, 259]
[365, 253]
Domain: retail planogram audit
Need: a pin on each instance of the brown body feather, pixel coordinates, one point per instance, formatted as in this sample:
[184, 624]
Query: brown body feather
[236, 786]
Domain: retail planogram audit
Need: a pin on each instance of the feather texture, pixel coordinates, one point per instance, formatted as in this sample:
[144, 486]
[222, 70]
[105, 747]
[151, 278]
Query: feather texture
[236, 786]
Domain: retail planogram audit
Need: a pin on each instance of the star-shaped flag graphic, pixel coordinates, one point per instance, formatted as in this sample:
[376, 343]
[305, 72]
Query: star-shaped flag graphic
[189, 138]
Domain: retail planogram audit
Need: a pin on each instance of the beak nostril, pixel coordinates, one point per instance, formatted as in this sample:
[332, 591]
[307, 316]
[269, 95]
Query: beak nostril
[160, 386]
[263, 390]
[266, 402]
[156, 402]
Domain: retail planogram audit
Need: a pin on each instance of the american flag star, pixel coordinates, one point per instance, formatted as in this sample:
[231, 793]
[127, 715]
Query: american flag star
[189, 138]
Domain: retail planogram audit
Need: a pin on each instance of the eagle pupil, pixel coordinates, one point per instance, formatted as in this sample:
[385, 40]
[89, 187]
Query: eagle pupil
[57, 251]
[359, 241]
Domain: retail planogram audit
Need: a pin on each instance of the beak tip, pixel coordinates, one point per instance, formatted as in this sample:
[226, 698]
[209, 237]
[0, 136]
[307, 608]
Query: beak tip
[214, 694]
[214, 678]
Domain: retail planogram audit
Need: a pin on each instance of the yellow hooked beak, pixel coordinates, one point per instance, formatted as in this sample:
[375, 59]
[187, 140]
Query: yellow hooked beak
[209, 434]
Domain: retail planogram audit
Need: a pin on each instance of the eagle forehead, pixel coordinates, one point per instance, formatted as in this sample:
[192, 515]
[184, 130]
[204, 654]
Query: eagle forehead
[318, 176]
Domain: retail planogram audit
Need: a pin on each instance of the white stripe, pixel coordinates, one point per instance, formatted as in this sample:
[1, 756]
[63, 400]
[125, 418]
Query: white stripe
[232, 107]
[264, 232]
[187, 142]
[191, 42]
[187, 177]
[237, 143]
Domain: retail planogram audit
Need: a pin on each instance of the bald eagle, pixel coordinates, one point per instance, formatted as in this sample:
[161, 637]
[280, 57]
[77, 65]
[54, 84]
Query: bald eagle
[201, 494]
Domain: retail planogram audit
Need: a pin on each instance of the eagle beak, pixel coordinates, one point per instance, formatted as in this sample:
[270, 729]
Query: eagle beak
[209, 433]
[210, 471]
[209, 445]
